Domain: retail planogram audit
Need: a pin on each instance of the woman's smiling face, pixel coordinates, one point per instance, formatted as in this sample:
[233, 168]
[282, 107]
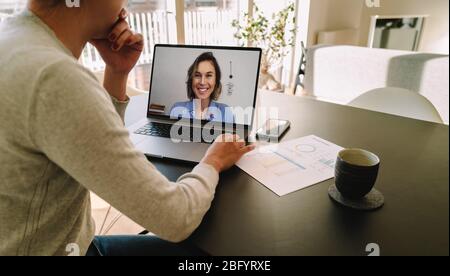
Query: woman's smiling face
[204, 80]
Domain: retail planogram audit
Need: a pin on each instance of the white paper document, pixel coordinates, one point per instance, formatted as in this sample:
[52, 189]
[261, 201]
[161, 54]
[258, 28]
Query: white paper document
[293, 165]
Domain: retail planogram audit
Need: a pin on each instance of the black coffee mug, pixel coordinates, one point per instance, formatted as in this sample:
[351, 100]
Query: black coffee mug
[356, 172]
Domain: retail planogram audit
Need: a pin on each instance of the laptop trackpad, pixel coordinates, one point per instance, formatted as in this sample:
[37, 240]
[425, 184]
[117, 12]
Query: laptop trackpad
[165, 148]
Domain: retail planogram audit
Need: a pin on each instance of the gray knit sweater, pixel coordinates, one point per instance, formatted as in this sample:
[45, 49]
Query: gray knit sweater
[61, 135]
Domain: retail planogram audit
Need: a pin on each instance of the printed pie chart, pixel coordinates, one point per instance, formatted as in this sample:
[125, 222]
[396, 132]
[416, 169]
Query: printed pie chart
[305, 148]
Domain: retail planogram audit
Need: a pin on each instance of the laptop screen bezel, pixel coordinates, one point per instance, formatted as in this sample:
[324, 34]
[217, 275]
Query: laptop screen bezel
[203, 122]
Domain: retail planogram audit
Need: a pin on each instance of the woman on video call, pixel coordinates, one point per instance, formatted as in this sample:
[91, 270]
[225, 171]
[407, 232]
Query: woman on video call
[62, 135]
[204, 88]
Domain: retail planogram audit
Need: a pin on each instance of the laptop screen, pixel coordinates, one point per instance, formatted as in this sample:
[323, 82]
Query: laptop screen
[212, 84]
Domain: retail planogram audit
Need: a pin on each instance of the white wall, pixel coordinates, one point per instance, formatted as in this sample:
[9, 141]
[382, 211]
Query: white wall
[330, 15]
[435, 34]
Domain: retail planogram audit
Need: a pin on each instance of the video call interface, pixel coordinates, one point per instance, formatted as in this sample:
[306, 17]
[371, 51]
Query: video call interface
[215, 85]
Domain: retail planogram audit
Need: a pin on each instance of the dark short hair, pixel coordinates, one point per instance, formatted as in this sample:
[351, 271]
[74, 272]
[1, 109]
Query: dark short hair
[208, 56]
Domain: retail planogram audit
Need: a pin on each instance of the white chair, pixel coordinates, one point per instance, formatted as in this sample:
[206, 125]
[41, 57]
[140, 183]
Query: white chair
[339, 74]
[400, 102]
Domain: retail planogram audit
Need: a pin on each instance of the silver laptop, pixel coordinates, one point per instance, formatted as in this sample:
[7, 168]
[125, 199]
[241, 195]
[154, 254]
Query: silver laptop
[196, 94]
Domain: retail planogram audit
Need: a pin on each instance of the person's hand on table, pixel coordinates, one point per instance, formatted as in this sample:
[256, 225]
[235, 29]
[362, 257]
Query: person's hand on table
[226, 151]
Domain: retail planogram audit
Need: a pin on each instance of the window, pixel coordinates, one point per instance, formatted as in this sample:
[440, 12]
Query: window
[208, 22]
[283, 70]
[10, 7]
[194, 22]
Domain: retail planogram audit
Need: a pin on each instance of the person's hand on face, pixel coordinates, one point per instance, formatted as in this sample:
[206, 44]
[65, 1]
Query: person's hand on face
[122, 49]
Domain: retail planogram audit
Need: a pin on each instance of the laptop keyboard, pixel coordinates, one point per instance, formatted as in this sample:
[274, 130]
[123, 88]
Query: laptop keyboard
[163, 130]
[155, 129]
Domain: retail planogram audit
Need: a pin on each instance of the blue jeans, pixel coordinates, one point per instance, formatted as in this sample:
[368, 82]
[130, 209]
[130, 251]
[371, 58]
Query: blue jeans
[140, 245]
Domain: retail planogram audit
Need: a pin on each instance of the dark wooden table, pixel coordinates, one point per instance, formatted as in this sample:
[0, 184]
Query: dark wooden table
[248, 219]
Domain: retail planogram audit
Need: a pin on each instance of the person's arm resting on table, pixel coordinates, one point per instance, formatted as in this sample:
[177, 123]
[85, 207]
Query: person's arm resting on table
[75, 124]
[77, 127]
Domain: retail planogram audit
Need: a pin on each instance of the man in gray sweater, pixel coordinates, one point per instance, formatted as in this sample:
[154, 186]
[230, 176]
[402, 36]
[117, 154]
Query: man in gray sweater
[62, 135]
